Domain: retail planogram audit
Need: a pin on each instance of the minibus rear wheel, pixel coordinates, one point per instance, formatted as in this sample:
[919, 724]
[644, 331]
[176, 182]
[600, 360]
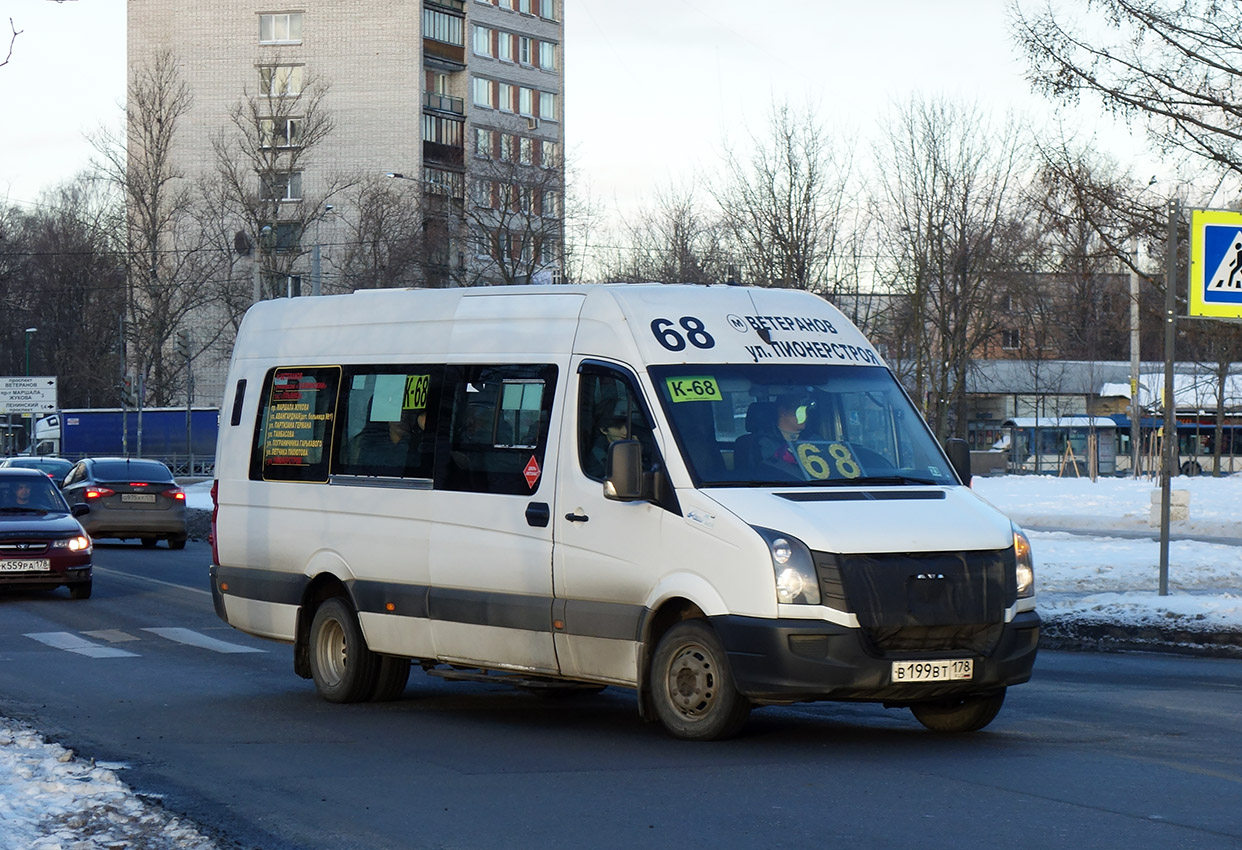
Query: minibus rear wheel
[692, 686]
[967, 714]
[343, 668]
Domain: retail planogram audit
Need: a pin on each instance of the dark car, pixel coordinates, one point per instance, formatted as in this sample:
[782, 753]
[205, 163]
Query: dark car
[129, 498]
[42, 544]
[55, 467]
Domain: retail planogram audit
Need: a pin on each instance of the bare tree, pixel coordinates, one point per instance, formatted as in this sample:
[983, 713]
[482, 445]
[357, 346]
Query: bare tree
[951, 231]
[386, 233]
[167, 268]
[673, 241]
[260, 162]
[785, 207]
[1174, 64]
[515, 212]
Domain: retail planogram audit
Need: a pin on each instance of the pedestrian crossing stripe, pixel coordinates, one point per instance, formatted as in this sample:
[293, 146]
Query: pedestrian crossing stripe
[1215, 264]
[75, 643]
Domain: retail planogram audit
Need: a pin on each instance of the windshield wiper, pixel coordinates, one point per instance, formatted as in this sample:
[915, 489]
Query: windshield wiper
[886, 479]
[20, 510]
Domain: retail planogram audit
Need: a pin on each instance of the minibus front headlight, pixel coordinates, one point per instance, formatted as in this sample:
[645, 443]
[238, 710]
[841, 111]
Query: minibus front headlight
[1025, 564]
[793, 568]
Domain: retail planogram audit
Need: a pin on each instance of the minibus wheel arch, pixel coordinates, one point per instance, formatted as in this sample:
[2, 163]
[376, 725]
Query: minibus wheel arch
[656, 622]
[323, 587]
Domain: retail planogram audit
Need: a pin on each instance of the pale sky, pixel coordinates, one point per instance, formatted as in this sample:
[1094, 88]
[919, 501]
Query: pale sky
[653, 87]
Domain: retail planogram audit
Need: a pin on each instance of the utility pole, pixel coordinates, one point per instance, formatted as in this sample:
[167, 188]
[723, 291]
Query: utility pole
[1135, 360]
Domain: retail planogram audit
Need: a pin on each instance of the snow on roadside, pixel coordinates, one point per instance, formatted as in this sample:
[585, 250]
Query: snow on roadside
[51, 800]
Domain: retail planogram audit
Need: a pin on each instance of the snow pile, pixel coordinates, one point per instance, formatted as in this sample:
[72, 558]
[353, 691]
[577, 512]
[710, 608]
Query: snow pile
[1101, 585]
[50, 800]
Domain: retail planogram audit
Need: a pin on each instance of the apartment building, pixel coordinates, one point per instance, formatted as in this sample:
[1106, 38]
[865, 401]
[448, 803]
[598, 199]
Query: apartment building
[347, 145]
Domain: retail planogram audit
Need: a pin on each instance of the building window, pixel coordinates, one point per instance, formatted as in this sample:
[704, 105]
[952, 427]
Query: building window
[524, 50]
[505, 97]
[551, 204]
[280, 80]
[526, 151]
[443, 131]
[547, 10]
[549, 154]
[1010, 340]
[506, 147]
[526, 99]
[441, 182]
[482, 41]
[547, 105]
[522, 6]
[484, 142]
[547, 55]
[443, 27]
[505, 47]
[280, 132]
[483, 93]
[285, 28]
[281, 186]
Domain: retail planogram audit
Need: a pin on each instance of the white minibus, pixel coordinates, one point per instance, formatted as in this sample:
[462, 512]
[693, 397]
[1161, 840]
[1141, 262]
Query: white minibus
[718, 496]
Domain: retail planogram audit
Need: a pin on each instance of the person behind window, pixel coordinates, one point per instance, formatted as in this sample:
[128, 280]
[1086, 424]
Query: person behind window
[611, 424]
[384, 448]
[776, 439]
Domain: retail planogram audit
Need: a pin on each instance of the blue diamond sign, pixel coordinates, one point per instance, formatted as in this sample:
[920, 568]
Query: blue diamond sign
[1216, 264]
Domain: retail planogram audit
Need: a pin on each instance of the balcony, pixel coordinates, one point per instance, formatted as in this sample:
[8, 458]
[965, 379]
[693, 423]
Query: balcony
[455, 5]
[444, 103]
[445, 154]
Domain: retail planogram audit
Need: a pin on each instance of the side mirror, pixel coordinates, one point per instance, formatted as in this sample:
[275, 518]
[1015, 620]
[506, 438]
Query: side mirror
[623, 480]
[959, 455]
[80, 509]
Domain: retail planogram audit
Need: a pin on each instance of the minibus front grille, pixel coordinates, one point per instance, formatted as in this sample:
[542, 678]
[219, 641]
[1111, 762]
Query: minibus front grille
[919, 602]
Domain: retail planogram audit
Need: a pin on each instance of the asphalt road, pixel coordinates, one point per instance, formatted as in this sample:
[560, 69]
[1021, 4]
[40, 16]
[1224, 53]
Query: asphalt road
[1098, 751]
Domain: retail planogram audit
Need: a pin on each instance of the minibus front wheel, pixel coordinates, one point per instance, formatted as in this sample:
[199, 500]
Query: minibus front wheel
[692, 687]
[343, 668]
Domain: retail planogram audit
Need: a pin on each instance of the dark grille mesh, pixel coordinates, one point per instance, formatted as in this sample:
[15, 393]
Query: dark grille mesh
[908, 602]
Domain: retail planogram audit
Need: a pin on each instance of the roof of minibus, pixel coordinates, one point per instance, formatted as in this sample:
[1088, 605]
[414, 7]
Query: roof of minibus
[638, 322]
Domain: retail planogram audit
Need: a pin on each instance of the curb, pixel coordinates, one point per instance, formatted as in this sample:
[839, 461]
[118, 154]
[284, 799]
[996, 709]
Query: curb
[1109, 637]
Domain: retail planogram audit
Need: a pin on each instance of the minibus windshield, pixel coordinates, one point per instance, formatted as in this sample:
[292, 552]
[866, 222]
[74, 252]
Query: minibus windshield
[775, 425]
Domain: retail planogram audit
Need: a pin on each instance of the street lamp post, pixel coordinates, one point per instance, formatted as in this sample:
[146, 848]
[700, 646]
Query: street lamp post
[30, 436]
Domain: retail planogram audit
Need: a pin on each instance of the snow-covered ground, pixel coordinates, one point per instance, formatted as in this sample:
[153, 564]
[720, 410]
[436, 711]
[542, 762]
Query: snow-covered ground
[52, 800]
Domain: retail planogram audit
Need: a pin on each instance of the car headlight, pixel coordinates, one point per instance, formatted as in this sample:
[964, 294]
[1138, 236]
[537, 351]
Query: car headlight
[80, 543]
[1025, 564]
[793, 568]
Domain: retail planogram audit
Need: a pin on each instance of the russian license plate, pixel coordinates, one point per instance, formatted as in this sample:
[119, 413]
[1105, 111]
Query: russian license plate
[947, 670]
[137, 497]
[24, 565]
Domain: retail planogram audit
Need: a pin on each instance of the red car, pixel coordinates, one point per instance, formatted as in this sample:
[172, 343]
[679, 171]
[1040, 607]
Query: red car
[42, 544]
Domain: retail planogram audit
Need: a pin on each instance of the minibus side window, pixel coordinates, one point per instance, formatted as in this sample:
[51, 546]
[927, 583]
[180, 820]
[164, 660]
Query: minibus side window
[387, 421]
[293, 437]
[497, 427]
[609, 410]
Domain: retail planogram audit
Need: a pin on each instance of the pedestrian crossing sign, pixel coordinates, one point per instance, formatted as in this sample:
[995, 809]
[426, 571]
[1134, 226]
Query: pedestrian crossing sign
[1216, 264]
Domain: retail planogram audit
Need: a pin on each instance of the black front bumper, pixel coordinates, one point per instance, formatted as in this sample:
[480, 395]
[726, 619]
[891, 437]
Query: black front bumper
[801, 660]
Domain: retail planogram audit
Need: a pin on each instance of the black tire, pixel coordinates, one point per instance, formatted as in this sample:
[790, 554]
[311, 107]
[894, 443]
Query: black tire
[955, 716]
[176, 543]
[692, 687]
[1191, 468]
[80, 590]
[391, 676]
[149, 542]
[343, 668]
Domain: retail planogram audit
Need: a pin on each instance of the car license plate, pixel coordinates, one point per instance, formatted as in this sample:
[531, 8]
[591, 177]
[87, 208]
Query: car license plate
[137, 497]
[946, 670]
[24, 565]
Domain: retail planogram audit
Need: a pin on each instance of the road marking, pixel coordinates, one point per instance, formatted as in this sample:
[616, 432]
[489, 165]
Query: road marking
[72, 643]
[112, 635]
[193, 638]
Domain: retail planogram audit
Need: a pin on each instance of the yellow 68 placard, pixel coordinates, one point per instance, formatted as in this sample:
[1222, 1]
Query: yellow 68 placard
[819, 467]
